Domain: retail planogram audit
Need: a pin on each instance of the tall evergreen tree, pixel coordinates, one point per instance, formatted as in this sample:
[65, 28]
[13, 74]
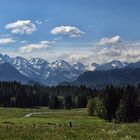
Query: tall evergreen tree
[68, 102]
[129, 109]
[53, 102]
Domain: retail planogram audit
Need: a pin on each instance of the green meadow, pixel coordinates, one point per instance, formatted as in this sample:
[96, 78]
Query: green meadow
[45, 124]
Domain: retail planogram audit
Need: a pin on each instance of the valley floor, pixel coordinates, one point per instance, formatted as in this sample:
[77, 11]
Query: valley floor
[44, 124]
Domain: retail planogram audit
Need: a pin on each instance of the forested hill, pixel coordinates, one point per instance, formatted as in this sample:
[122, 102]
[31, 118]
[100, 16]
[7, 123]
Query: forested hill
[111, 102]
[116, 77]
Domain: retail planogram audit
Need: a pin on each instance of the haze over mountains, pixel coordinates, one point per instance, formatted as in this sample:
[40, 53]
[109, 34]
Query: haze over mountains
[38, 69]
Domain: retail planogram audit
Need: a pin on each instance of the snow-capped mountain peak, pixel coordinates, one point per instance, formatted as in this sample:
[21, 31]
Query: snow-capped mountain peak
[79, 66]
[24, 67]
[116, 64]
[111, 65]
[40, 65]
[4, 58]
[61, 64]
[19, 61]
[38, 61]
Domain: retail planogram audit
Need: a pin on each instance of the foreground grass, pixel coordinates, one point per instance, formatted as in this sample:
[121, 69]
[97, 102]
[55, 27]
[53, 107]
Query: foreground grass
[14, 126]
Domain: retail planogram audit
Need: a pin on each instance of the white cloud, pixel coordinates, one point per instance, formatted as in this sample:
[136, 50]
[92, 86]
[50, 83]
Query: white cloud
[67, 30]
[39, 46]
[6, 41]
[110, 41]
[21, 27]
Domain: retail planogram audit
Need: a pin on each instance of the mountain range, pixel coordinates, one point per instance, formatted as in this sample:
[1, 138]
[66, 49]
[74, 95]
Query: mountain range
[40, 70]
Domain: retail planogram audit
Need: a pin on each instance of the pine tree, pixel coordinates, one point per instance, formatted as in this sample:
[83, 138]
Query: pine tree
[129, 109]
[53, 102]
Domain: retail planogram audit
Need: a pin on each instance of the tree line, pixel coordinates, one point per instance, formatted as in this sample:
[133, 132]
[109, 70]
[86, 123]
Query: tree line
[14, 94]
[121, 104]
[110, 103]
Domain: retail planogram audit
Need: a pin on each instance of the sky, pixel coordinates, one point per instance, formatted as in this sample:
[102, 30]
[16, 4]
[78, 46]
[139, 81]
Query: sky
[89, 31]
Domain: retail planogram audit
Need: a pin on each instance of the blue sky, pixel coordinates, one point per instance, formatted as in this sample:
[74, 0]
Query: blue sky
[87, 30]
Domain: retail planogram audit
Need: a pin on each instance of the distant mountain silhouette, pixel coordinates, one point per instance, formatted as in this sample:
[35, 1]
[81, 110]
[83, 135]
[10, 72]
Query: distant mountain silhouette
[115, 77]
[9, 73]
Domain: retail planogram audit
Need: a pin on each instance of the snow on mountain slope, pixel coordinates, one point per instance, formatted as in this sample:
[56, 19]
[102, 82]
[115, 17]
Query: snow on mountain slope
[111, 65]
[39, 64]
[5, 58]
[58, 71]
[24, 67]
[79, 66]
[61, 65]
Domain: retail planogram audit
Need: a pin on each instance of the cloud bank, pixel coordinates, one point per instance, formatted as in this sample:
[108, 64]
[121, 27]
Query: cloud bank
[124, 51]
[32, 47]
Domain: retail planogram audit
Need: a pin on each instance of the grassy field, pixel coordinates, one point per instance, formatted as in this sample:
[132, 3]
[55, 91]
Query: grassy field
[54, 125]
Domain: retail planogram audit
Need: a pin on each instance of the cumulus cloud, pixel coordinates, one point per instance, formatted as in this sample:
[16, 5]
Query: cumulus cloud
[67, 30]
[6, 41]
[110, 41]
[31, 47]
[21, 27]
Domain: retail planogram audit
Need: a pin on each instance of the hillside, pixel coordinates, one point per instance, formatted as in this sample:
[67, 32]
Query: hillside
[115, 77]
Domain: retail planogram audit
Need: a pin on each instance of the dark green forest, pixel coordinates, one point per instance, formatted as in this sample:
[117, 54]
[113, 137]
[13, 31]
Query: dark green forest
[121, 104]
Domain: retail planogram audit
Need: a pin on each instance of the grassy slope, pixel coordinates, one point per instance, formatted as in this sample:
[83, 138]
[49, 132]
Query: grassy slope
[14, 126]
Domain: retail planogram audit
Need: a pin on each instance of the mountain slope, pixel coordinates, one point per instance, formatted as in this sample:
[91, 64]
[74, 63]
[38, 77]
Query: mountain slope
[4, 58]
[61, 71]
[134, 65]
[79, 66]
[39, 64]
[111, 65]
[9, 73]
[115, 77]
